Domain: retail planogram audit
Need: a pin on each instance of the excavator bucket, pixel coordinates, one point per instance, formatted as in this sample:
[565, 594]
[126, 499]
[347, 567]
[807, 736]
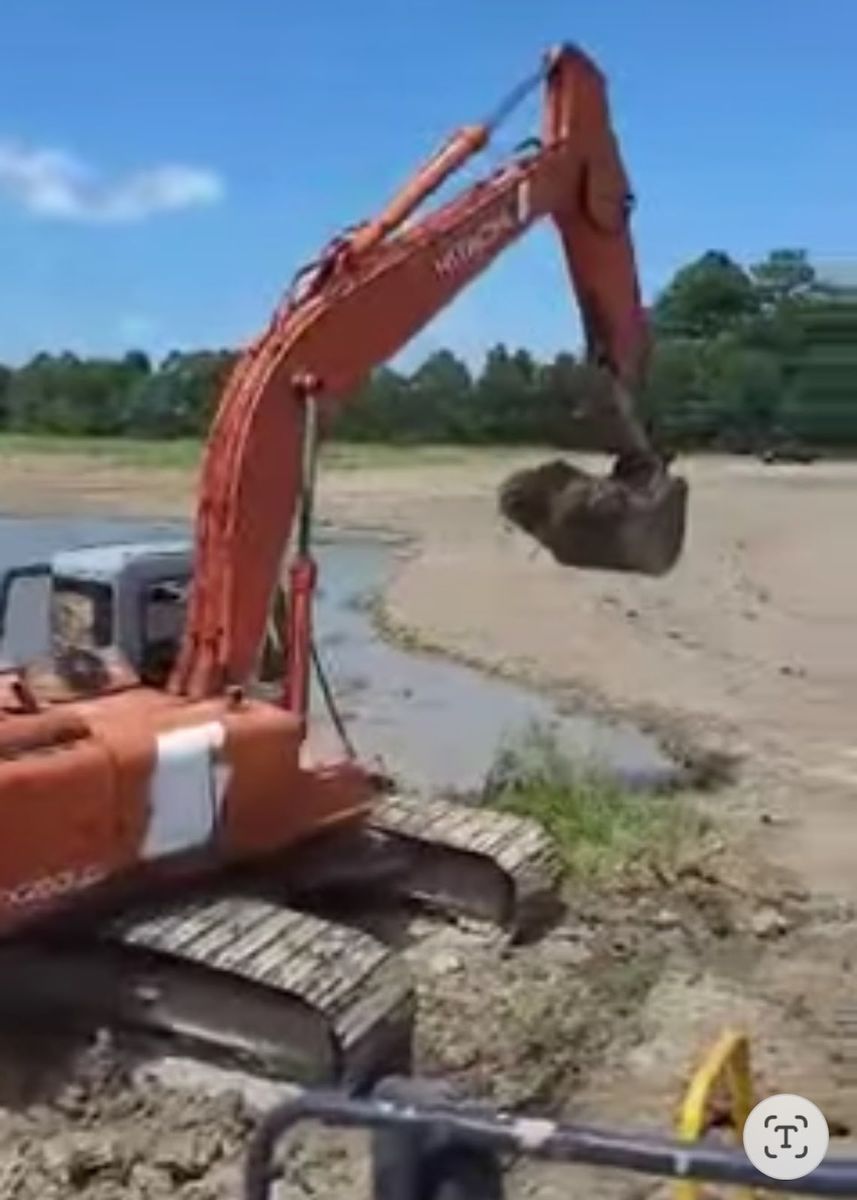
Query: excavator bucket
[611, 523]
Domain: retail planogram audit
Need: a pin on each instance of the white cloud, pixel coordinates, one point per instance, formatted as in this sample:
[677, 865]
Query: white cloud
[56, 185]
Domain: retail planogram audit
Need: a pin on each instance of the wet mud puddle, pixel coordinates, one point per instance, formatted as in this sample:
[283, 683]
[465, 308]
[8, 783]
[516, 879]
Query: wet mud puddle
[434, 724]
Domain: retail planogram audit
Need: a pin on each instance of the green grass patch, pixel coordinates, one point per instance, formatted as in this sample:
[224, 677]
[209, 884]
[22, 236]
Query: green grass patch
[184, 453]
[181, 453]
[599, 826]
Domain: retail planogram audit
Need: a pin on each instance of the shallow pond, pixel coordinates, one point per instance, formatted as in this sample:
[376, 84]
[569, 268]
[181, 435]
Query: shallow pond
[434, 723]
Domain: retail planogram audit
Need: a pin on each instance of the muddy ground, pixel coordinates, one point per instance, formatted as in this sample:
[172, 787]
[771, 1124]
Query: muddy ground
[749, 647]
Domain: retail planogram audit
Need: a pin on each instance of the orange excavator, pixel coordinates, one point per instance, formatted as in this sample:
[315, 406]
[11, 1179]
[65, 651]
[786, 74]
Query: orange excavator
[170, 845]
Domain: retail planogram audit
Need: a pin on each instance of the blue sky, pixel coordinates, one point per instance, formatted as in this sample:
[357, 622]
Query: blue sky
[233, 139]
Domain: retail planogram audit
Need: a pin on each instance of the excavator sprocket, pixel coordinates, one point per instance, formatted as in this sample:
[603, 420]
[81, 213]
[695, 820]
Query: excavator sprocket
[602, 523]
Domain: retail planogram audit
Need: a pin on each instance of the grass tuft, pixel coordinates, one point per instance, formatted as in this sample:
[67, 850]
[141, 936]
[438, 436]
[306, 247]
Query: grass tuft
[599, 826]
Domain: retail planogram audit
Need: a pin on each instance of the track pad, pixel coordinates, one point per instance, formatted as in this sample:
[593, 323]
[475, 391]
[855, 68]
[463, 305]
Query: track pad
[599, 523]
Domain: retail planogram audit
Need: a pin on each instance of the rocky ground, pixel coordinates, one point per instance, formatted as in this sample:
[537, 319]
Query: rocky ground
[600, 1020]
[749, 647]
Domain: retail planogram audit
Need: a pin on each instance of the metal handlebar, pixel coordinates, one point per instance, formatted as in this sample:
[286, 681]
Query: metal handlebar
[418, 1128]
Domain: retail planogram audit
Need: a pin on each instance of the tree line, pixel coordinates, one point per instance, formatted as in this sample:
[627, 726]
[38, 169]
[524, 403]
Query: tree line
[742, 357]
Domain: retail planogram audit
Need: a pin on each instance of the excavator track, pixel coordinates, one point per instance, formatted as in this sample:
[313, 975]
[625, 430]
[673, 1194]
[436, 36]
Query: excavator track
[235, 979]
[492, 866]
[244, 979]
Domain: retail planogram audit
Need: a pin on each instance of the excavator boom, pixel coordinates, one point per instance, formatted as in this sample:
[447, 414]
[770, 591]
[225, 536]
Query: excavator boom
[168, 853]
[373, 290]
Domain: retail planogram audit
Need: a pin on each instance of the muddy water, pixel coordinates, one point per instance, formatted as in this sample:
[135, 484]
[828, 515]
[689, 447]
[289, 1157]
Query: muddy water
[440, 723]
[437, 725]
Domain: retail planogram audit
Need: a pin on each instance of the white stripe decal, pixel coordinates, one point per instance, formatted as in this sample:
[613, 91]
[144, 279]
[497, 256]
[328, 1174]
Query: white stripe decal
[524, 202]
[187, 789]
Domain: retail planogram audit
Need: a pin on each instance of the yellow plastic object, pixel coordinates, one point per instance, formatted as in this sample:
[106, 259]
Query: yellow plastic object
[728, 1061]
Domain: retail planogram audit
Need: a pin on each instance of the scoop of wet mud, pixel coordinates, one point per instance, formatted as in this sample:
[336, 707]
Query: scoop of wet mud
[607, 523]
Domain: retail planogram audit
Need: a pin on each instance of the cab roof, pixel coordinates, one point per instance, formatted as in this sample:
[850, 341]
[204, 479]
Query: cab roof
[103, 564]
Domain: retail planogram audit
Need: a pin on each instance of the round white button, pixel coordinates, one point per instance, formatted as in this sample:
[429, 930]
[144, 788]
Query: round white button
[786, 1136]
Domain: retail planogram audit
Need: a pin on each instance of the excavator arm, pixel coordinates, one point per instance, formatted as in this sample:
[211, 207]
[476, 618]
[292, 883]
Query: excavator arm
[372, 290]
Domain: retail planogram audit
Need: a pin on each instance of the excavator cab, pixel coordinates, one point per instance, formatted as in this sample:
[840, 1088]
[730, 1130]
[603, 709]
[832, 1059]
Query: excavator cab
[114, 616]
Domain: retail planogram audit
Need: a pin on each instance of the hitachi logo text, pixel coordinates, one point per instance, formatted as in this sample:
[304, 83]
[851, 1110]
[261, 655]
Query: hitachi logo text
[475, 244]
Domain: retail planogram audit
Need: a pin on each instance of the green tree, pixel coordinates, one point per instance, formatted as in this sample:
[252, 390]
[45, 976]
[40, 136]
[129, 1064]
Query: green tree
[374, 413]
[820, 404]
[783, 276]
[707, 297]
[180, 398]
[68, 395]
[559, 403]
[740, 357]
[675, 402]
[505, 394]
[439, 403]
[199, 379]
[6, 374]
[744, 387]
